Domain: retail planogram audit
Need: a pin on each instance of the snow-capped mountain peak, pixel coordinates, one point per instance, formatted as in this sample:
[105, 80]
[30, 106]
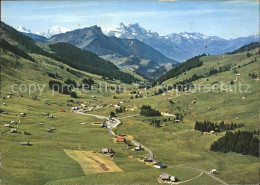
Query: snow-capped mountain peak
[23, 29]
[131, 31]
[48, 33]
[54, 31]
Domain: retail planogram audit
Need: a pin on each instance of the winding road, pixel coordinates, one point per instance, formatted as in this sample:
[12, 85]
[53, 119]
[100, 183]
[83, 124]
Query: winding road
[115, 122]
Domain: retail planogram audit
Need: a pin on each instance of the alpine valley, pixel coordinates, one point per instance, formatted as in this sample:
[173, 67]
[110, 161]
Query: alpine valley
[143, 51]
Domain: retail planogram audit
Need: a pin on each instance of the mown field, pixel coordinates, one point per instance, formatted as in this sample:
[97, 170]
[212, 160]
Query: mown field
[45, 162]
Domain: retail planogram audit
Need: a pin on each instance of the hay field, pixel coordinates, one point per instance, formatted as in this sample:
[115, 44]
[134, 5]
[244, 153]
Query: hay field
[92, 163]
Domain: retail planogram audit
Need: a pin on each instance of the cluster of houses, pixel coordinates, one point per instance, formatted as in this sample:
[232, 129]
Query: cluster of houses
[158, 165]
[11, 123]
[91, 106]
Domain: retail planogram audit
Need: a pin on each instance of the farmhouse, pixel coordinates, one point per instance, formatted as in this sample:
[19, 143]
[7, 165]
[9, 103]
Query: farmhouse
[167, 177]
[117, 105]
[13, 122]
[137, 148]
[213, 171]
[173, 179]
[13, 130]
[238, 76]
[74, 108]
[159, 165]
[83, 105]
[106, 151]
[22, 115]
[25, 143]
[45, 114]
[120, 139]
[148, 159]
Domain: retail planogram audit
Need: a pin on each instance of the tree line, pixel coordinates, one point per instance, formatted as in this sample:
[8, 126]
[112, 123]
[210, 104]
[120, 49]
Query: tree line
[242, 142]
[146, 110]
[248, 47]
[69, 84]
[208, 126]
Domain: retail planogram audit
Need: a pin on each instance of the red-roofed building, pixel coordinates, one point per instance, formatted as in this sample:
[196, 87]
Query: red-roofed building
[120, 139]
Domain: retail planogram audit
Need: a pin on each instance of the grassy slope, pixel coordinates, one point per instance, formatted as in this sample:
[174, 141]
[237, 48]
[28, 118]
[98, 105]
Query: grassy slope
[45, 161]
[191, 148]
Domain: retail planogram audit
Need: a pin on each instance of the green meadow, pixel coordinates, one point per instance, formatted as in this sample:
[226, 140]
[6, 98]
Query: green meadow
[45, 162]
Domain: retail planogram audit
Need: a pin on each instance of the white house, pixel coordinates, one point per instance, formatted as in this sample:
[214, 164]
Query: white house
[158, 165]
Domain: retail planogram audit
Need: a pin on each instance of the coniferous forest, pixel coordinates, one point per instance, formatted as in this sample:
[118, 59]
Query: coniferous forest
[186, 66]
[242, 142]
[89, 62]
[146, 110]
[208, 126]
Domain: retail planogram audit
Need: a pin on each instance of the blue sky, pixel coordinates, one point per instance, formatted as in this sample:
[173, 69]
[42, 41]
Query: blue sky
[227, 19]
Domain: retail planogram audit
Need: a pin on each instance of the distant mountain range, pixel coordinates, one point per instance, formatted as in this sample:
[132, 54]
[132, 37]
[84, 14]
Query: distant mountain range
[48, 33]
[120, 51]
[94, 40]
[141, 50]
[181, 46]
[116, 49]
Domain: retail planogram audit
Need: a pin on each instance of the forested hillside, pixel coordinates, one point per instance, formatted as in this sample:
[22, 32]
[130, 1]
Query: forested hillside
[89, 62]
[248, 47]
[186, 66]
[66, 53]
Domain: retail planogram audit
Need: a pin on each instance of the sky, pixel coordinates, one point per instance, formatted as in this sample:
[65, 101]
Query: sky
[226, 19]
